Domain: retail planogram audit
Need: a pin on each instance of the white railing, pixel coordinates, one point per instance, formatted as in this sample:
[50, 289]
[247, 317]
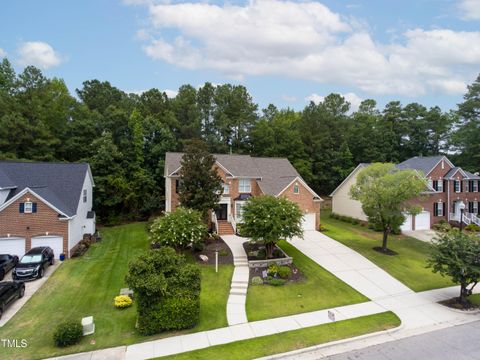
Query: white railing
[466, 219]
[232, 221]
[475, 219]
[215, 221]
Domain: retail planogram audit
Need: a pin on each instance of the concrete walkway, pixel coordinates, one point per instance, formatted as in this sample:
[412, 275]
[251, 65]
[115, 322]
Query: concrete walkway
[422, 235]
[236, 312]
[419, 312]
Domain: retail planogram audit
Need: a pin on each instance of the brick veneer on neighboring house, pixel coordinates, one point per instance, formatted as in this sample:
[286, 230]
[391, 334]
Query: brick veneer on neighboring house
[27, 225]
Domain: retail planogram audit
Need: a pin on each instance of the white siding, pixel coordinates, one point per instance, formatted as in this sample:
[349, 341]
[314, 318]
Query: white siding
[343, 204]
[80, 225]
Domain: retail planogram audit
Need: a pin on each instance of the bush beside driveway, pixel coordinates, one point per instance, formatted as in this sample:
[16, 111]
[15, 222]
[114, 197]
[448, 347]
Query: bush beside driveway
[88, 285]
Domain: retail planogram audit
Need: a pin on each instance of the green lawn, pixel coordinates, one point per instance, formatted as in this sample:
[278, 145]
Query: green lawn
[319, 290]
[296, 339]
[475, 299]
[87, 286]
[409, 266]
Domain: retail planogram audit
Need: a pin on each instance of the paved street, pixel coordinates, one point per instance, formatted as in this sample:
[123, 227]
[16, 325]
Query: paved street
[458, 342]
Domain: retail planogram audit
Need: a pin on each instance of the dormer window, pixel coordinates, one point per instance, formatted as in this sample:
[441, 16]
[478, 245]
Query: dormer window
[296, 189]
[28, 207]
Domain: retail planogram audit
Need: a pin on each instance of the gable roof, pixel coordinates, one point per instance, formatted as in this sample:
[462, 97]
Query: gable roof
[60, 184]
[273, 174]
[354, 171]
[422, 163]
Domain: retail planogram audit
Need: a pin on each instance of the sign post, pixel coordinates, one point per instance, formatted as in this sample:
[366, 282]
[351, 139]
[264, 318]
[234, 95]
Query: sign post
[216, 261]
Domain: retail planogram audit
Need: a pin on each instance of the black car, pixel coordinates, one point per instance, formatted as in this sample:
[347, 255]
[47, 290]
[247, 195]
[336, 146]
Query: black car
[10, 291]
[32, 265]
[7, 263]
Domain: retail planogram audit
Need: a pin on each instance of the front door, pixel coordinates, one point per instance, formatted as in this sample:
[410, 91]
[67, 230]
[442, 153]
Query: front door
[221, 212]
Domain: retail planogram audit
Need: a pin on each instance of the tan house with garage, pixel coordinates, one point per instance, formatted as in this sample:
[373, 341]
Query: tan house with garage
[245, 176]
[44, 204]
[450, 189]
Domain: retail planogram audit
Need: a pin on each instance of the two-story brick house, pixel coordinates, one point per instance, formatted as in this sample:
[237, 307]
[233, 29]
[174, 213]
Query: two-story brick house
[44, 204]
[245, 176]
[449, 189]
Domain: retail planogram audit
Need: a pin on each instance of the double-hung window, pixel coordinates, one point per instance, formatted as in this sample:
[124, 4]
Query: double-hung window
[474, 186]
[439, 186]
[438, 209]
[226, 189]
[28, 207]
[244, 185]
[456, 186]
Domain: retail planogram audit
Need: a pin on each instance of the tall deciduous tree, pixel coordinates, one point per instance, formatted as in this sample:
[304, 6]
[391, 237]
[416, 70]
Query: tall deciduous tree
[457, 255]
[270, 219]
[384, 193]
[201, 185]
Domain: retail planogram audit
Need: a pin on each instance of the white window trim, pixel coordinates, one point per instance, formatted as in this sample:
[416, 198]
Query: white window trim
[239, 217]
[475, 207]
[296, 186]
[439, 208]
[27, 207]
[455, 182]
[440, 185]
[243, 189]
[226, 189]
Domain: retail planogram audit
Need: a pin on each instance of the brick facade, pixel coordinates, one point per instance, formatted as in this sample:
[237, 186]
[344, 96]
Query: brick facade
[44, 221]
[304, 199]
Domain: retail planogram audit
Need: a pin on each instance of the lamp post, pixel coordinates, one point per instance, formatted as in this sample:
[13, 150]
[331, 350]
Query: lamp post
[461, 206]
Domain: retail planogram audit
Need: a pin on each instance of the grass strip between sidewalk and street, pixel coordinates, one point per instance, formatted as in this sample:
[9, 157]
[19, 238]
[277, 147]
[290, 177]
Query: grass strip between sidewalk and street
[293, 340]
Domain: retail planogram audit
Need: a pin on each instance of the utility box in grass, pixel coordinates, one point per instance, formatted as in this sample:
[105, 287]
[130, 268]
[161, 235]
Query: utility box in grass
[88, 325]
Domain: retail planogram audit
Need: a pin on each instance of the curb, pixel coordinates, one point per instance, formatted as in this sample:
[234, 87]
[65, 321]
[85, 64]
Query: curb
[331, 344]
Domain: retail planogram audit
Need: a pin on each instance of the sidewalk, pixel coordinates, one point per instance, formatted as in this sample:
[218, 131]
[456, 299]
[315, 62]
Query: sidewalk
[236, 311]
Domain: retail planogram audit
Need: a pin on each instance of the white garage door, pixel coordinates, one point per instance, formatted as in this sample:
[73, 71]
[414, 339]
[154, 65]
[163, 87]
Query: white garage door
[12, 246]
[55, 242]
[308, 221]
[407, 225]
[422, 221]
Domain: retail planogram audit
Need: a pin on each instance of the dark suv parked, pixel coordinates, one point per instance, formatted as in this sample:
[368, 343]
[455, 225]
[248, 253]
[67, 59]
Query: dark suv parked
[32, 265]
[7, 263]
[10, 291]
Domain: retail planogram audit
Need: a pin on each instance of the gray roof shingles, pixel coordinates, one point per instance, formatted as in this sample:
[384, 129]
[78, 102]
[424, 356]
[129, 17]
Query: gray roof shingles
[58, 183]
[420, 163]
[273, 174]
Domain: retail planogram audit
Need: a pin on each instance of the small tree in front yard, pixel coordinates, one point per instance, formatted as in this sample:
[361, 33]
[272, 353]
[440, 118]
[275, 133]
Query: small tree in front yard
[384, 193]
[178, 229]
[270, 219]
[457, 255]
[201, 186]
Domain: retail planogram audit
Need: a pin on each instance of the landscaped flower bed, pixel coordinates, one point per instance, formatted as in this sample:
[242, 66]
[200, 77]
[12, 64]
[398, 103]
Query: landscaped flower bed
[256, 255]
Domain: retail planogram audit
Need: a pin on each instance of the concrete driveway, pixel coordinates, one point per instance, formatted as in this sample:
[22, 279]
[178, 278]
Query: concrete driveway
[31, 287]
[422, 235]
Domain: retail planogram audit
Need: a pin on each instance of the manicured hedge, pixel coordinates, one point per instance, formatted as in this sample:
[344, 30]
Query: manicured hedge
[167, 289]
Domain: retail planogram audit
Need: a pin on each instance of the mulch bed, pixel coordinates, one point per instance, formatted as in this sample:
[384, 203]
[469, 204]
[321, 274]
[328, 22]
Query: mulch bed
[255, 247]
[297, 275]
[385, 252]
[455, 304]
[225, 255]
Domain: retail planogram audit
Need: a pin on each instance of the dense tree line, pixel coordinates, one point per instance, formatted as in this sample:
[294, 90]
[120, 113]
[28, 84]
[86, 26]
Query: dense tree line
[124, 136]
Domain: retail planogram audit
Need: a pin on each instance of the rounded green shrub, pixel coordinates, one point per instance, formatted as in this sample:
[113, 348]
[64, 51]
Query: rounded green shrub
[284, 272]
[276, 282]
[257, 280]
[68, 333]
[273, 269]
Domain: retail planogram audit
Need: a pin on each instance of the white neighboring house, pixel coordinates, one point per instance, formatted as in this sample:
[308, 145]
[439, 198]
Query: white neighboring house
[44, 204]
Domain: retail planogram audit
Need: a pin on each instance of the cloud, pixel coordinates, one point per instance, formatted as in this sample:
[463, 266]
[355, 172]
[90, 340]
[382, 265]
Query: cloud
[39, 54]
[469, 9]
[289, 98]
[351, 97]
[306, 40]
[3, 53]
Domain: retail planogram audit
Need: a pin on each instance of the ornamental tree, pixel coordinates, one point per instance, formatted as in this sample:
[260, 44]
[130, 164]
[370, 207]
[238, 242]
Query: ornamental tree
[384, 193]
[457, 255]
[178, 229]
[270, 219]
[201, 186]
